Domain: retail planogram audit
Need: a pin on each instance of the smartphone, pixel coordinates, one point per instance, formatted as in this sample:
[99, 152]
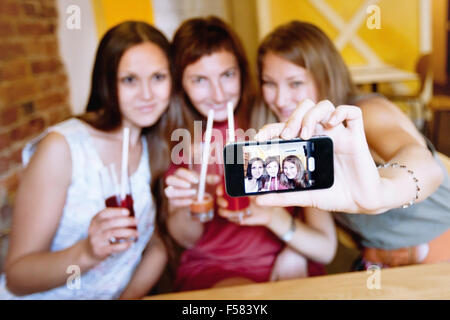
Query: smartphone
[253, 168]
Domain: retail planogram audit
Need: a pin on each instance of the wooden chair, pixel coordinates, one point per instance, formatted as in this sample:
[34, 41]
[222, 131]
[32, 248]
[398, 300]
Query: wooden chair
[420, 99]
[445, 160]
[438, 105]
[346, 238]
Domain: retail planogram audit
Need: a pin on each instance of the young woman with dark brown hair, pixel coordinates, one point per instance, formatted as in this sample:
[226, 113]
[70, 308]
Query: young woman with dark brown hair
[255, 178]
[403, 209]
[60, 223]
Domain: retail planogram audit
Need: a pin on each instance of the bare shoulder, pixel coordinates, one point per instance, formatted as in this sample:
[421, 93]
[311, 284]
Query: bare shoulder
[55, 141]
[381, 115]
[387, 128]
[40, 198]
[379, 108]
[52, 159]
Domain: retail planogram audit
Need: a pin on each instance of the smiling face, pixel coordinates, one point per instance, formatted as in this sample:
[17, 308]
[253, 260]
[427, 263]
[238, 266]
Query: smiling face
[211, 82]
[290, 170]
[285, 85]
[272, 168]
[144, 85]
[257, 169]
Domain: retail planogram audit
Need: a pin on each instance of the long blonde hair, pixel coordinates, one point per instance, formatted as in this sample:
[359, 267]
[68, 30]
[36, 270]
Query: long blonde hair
[307, 46]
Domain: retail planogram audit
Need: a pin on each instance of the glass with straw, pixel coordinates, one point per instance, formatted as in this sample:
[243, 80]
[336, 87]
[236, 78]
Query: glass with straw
[202, 208]
[117, 194]
[238, 205]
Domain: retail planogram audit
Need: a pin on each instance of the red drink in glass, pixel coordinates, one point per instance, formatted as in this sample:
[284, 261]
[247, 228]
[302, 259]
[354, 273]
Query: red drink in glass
[115, 202]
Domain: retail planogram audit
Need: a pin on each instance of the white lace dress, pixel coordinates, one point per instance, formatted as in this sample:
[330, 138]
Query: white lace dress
[84, 200]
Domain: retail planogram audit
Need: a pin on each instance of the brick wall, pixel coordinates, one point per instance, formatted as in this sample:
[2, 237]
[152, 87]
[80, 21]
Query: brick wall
[33, 88]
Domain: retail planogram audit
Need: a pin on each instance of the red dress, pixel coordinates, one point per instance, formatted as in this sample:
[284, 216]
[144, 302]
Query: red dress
[228, 250]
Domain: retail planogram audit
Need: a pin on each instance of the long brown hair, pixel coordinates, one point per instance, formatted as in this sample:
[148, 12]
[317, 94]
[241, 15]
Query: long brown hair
[307, 46]
[103, 110]
[199, 37]
[194, 39]
[299, 180]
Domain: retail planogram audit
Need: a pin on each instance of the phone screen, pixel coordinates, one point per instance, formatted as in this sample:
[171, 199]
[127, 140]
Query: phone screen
[253, 168]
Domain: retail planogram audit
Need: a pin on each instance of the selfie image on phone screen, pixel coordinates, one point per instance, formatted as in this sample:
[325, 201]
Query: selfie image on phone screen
[278, 166]
[270, 168]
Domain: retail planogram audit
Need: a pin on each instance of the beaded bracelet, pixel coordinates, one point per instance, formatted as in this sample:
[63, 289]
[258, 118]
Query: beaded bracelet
[411, 173]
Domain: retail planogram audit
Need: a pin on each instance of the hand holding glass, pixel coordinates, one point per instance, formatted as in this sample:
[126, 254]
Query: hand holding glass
[115, 194]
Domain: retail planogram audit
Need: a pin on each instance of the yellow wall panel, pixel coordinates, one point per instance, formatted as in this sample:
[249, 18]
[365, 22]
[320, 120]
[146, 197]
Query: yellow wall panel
[346, 9]
[351, 56]
[396, 43]
[283, 11]
[109, 13]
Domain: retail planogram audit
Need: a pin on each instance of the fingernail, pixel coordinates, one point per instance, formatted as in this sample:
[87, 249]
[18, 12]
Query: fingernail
[258, 137]
[287, 133]
[305, 133]
[333, 120]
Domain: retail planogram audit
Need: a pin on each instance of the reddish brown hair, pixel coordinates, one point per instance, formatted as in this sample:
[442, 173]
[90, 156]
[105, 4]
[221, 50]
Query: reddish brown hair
[198, 37]
[194, 39]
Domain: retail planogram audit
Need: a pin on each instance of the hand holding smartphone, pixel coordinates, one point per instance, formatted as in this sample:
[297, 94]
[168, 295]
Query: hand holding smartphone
[357, 185]
[278, 166]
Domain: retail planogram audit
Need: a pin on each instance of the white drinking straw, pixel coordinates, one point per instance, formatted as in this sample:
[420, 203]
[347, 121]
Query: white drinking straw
[125, 146]
[115, 181]
[205, 156]
[230, 110]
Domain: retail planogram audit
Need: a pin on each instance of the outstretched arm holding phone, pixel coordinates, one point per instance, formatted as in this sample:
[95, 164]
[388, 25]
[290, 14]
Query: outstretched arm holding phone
[307, 86]
[359, 186]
